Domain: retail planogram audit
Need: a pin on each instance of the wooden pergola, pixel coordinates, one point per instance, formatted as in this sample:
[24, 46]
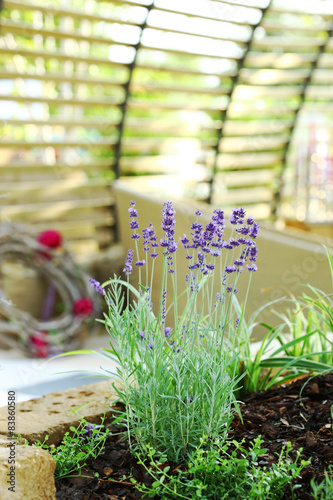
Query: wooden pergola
[92, 90]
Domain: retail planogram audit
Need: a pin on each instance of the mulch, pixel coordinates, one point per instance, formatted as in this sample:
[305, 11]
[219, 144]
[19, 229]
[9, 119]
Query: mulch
[299, 412]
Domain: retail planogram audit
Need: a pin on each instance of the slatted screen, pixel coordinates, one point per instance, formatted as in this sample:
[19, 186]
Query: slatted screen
[92, 90]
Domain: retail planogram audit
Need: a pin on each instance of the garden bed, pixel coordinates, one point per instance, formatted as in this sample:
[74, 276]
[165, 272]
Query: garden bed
[299, 412]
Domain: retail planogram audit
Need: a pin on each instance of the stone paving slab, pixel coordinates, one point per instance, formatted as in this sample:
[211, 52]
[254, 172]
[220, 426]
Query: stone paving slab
[54, 413]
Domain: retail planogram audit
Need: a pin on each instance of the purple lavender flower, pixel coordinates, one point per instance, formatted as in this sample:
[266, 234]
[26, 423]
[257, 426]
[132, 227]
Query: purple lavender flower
[252, 268]
[254, 231]
[168, 219]
[90, 429]
[140, 263]
[132, 212]
[141, 335]
[168, 224]
[253, 253]
[151, 239]
[97, 286]
[244, 230]
[237, 322]
[149, 345]
[128, 263]
[198, 213]
[164, 294]
[185, 241]
[237, 216]
[167, 331]
[230, 269]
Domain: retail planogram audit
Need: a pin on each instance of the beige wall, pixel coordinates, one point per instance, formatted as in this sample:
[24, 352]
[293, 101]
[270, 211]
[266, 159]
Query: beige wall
[287, 260]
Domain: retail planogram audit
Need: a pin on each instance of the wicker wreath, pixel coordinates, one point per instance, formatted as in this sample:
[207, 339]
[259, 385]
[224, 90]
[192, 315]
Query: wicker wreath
[45, 253]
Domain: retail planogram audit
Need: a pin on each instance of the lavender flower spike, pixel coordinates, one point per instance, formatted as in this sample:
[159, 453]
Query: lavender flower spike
[128, 263]
[98, 287]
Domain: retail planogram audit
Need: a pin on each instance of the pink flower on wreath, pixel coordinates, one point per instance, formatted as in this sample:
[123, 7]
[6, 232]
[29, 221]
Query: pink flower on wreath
[39, 343]
[51, 239]
[83, 307]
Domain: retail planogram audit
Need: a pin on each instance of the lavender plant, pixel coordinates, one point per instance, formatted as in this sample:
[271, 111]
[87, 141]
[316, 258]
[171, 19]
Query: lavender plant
[178, 367]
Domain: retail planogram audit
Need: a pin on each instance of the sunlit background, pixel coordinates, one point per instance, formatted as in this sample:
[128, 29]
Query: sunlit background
[232, 98]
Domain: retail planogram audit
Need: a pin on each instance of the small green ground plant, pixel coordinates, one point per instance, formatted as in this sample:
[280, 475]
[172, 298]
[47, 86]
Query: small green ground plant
[225, 472]
[323, 490]
[82, 442]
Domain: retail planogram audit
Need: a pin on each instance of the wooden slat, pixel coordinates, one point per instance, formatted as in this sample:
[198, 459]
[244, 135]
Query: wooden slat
[7, 143]
[253, 143]
[329, 45]
[203, 15]
[320, 91]
[272, 76]
[132, 3]
[26, 29]
[249, 128]
[239, 110]
[258, 91]
[79, 226]
[184, 70]
[216, 3]
[134, 103]
[320, 107]
[61, 78]
[157, 163]
[153, 87]
[72, 190]
[61, 185]
[191, 53]
[325, 61]
[289, 9]
[151, 164]
[66, 123]
[60, 56]
[278, 61]
[254, 160]
[144, 143]
[90, 164]
[61, 12]
[246, 178]
[222, 38]
[54, 210]
[247, 196]
[277, 25]
[58, 101]
[290, 43]
[160, 124]
[322, 76]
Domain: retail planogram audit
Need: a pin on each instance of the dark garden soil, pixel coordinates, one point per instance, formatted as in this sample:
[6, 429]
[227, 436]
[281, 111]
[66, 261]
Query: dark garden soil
[285, 413]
